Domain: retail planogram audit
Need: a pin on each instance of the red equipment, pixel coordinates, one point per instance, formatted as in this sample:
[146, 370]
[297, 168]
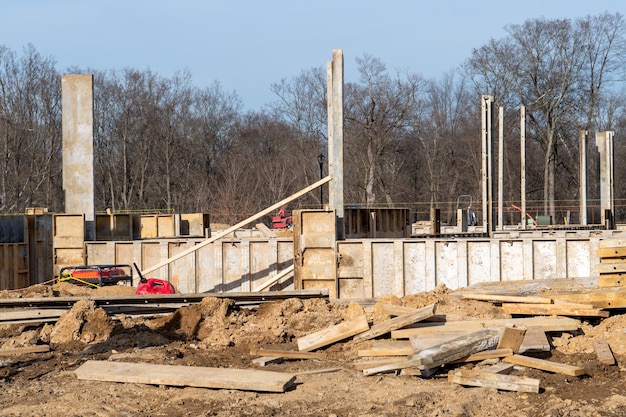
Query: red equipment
[282, 221]
[96, 275]
[153, 285]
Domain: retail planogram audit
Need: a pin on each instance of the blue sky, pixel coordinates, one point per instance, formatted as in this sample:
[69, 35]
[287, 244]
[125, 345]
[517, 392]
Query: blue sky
[247, 45]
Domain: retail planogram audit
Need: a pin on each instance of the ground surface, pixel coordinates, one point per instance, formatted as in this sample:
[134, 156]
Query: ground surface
[215, 333]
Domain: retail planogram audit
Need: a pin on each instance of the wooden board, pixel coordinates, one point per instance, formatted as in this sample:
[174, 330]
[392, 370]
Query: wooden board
[388, 348]
[287, 354]
[544, 365]
[612, 243]
[333, 334]
[499, 368]
[24, 350]
[610, 267]
[508, 298]
[535, 340]
[191, 376]
[366, 364]
[548, 324]
[512, 338]
[552, 310]
[486, 354]
[266, 360]
[603, 352]
[611, 252]
[396, 323]
[494, 380]
[420, 342]
[612, 280]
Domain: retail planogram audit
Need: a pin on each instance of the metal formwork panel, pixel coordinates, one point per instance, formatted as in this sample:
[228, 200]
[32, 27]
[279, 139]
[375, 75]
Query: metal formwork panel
[580, 254]
[383, 269]
[152, 253]
[478, 261]
[447, 268]
[182, 271]
[511, 251]
[350, 270]
[232, 259]
[415, 267]
[68, 240]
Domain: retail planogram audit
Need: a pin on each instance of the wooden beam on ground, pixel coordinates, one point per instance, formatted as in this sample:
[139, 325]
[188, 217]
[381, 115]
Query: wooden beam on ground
[273, 280]
[24, 350]
[499, 368]
[333, 334]
[512, 338]
[394, 310]
[366, 364]
[388, 348]
[396, 323]
[445, 353]
[552, 310]
[420, 342]
[239, 225]
[266, 360]
[544, 365]
[548, 324]
[507, 298]
[603, 352]
[494, 380]
[191, 376]
[486, 354]
[535, 340]
[287, 354]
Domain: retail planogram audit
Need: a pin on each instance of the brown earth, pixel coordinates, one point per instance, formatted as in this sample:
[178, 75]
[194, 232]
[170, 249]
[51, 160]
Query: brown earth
[216, 333]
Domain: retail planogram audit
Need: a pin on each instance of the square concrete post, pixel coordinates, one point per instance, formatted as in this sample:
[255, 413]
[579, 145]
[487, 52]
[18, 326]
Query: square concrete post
[582, 175]
[487, 163]
[335, 138]
[522, 148]
[78, 159]
[604, 142]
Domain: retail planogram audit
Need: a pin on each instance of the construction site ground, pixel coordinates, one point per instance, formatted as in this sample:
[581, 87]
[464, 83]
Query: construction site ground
[216, 333]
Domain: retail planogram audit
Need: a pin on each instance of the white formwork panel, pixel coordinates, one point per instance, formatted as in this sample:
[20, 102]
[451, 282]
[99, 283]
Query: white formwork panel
[512, 265]
[479, 262]
[447, 264]
[182, 271]
[208, 276]
[383, 269]
[579, 259]
[545, 259]
[415, 279]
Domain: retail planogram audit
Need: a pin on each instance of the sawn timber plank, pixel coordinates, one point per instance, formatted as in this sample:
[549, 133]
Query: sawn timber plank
[494, 380]
[544, 365]
[396, 323]
[191, 376]
[333, 334]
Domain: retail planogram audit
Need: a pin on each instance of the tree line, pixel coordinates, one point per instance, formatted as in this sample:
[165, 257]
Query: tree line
[160, 143]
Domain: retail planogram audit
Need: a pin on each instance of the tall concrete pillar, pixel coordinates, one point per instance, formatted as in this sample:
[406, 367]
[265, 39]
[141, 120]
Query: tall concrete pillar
[487, 163]
[582, 175]
[335, 138]
[522, 148]
[78, 160]
[604, 142]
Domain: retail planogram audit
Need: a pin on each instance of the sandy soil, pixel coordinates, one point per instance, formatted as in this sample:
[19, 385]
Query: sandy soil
[216, 333]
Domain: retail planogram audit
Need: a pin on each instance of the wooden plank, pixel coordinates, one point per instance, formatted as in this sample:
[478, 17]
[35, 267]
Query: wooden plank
[535, 340]
[548, 324]
[544, 365]
[612, 243]
[388, 348]
[333, 334]
[273, 280]
[266, 230]
[287, 354]
[507, 298]
[191, 376]
[552, 310]
[266, 360]
[612, 280]
[611, 252]
[605, 297]
[486, 354]
[603, 352]
[610, 267]
[494, 380]
[361, 365]
[318, 371]
[499, 368]
[512, 338]
[394, 310]
[396, 323]
[32, 314]
[445, 353]
[24, 350]
[428, 340]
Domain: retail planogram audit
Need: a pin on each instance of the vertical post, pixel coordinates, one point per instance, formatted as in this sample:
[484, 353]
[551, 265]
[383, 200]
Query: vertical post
[582, 176]
[320, 160]
[500, 168]
[78, 160]
[335, 138]
[604, 142]
[522, 150]
[486, 104]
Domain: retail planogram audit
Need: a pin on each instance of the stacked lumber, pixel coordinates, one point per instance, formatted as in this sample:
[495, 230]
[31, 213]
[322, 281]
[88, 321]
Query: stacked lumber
[612, 266]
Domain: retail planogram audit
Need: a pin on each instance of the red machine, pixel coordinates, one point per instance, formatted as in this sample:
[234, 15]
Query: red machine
[96, 275]
[281, 220]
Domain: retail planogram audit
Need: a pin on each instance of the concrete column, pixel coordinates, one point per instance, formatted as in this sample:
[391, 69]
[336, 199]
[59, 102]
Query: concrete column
[335, 138]
[604, 142]
[500, 168]
[78, 161]
[582, 176]
[487, 162]
[522, 150]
